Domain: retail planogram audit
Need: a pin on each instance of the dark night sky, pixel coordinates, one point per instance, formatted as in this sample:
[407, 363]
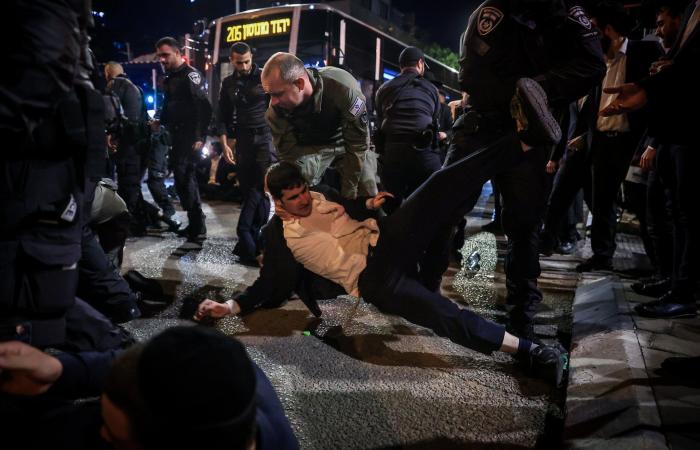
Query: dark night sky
[143, 22]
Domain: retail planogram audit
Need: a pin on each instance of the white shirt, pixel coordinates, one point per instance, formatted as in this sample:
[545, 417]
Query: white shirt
[614, 76]
[330, 243]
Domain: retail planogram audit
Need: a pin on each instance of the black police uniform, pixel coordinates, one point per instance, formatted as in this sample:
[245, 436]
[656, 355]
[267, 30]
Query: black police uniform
[554, 43]
[408, 110]
[186, 113]
[129, 156]
[46, 183]
[241, 115]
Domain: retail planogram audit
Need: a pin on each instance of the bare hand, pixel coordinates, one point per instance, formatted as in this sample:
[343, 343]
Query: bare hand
[228, 153]
[26, 370]
[112, 142]
[378, 200]
[576, 143]
[210, 308]
[630, 97]
[658, 66]
[551, 167]
[648, 159]
[197, 146]
[442, 135]
[155, 125]
[281, 212]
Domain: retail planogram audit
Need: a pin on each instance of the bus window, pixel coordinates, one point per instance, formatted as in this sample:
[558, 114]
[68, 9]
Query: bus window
[360, 48]
[313, 37]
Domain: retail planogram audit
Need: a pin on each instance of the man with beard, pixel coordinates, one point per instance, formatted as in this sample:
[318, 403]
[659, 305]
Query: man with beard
[186, 113]
[241, 117]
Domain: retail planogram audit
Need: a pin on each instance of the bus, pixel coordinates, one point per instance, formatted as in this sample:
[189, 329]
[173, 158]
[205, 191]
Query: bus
[319, 35]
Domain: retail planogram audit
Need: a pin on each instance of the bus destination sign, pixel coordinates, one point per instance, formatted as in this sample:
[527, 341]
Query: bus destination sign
[244, 31]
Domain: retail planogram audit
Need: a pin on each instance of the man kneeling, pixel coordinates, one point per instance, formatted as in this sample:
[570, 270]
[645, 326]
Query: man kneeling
[373, 259]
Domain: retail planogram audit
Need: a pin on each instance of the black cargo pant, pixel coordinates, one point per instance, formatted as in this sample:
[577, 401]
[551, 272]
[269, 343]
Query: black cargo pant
[254, 155]
[156, 163]
[522, 180]
[184, 164]
[424, 220]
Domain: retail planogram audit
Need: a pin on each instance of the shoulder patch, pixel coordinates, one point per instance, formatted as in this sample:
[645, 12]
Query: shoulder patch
[356, 107]
[578, 15]
[489, 18]
[195, 77]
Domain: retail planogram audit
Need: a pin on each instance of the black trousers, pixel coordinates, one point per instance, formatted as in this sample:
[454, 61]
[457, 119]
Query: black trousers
[600, 173]
[128, 164]
[184, 163]
[677, 166]
[659, 223]
[523, 185]
[421, 221]
[404, 168]
[254, 155]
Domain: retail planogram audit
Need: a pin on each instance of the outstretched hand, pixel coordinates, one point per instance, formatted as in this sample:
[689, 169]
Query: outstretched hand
[215, 310]
[26, 370]
[630, 97]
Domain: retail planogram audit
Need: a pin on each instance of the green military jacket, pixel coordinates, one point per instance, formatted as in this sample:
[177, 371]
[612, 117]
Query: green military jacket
[335, 118]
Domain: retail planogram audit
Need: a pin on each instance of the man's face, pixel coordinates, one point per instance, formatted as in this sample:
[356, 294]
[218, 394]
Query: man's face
[242, 63]
[169, 57]
[667, 28]
[297, 201]
[116, 426]
[282, 94]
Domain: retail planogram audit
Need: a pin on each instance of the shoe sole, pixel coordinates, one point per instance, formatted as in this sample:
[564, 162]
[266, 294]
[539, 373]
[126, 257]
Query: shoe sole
[534, 101]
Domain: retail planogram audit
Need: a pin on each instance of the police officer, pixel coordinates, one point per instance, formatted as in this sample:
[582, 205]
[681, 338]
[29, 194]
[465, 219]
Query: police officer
[317, 117]
[186, 113]
[408, 110]
[553, 43]
[129, 143]
[241, 117]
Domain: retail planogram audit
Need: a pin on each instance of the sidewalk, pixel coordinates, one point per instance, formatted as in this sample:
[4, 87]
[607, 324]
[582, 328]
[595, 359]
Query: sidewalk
[617, 396]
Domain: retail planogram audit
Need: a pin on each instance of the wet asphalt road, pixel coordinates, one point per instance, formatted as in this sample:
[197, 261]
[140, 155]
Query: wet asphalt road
[358, 378]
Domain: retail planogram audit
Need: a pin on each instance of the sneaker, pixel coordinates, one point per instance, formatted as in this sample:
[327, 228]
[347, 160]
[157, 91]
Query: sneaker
[529, 107]
[172, 223]
[549, 363]
[566, 248]
[663, 310]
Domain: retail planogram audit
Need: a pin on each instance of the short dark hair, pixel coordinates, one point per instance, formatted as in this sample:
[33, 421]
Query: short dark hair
[157, 385]
[283, 175]
[613, 13]
[674, 8]
[170, 41]
[240, 47]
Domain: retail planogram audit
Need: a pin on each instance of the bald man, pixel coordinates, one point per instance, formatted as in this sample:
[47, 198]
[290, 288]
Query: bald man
[318, 117]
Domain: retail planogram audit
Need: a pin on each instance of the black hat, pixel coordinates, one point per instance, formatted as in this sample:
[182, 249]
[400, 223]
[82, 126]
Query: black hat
[410, 56]
[175, 365]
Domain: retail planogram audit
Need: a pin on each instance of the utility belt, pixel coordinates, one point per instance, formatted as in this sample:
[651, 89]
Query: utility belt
[418, 140]
[237, 131]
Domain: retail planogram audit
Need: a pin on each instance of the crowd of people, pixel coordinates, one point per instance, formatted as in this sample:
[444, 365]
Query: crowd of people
[556, 100]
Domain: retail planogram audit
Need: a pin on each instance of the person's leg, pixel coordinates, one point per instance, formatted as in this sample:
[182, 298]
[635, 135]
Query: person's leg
[100, 284]
[524, 190]
[444, 198]
[684, 161]
[571, 177]
[393, 161]
[184, 165]
[611, 160]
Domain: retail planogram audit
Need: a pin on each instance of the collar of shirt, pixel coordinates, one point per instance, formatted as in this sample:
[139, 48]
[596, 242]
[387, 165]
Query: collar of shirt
[621, 51]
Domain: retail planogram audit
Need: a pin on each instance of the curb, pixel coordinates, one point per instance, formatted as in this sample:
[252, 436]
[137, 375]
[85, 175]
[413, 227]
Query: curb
[610, 403]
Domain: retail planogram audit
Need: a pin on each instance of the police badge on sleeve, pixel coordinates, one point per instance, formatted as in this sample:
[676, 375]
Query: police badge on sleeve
[195, 77]
[578, 15]
[489, 18]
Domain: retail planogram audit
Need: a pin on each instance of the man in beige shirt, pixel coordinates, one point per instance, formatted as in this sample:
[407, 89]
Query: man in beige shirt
[377, 259]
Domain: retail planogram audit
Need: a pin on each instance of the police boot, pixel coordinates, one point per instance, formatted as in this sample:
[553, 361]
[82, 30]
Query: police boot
[548, 362]
[529, 107]
[172, 223]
